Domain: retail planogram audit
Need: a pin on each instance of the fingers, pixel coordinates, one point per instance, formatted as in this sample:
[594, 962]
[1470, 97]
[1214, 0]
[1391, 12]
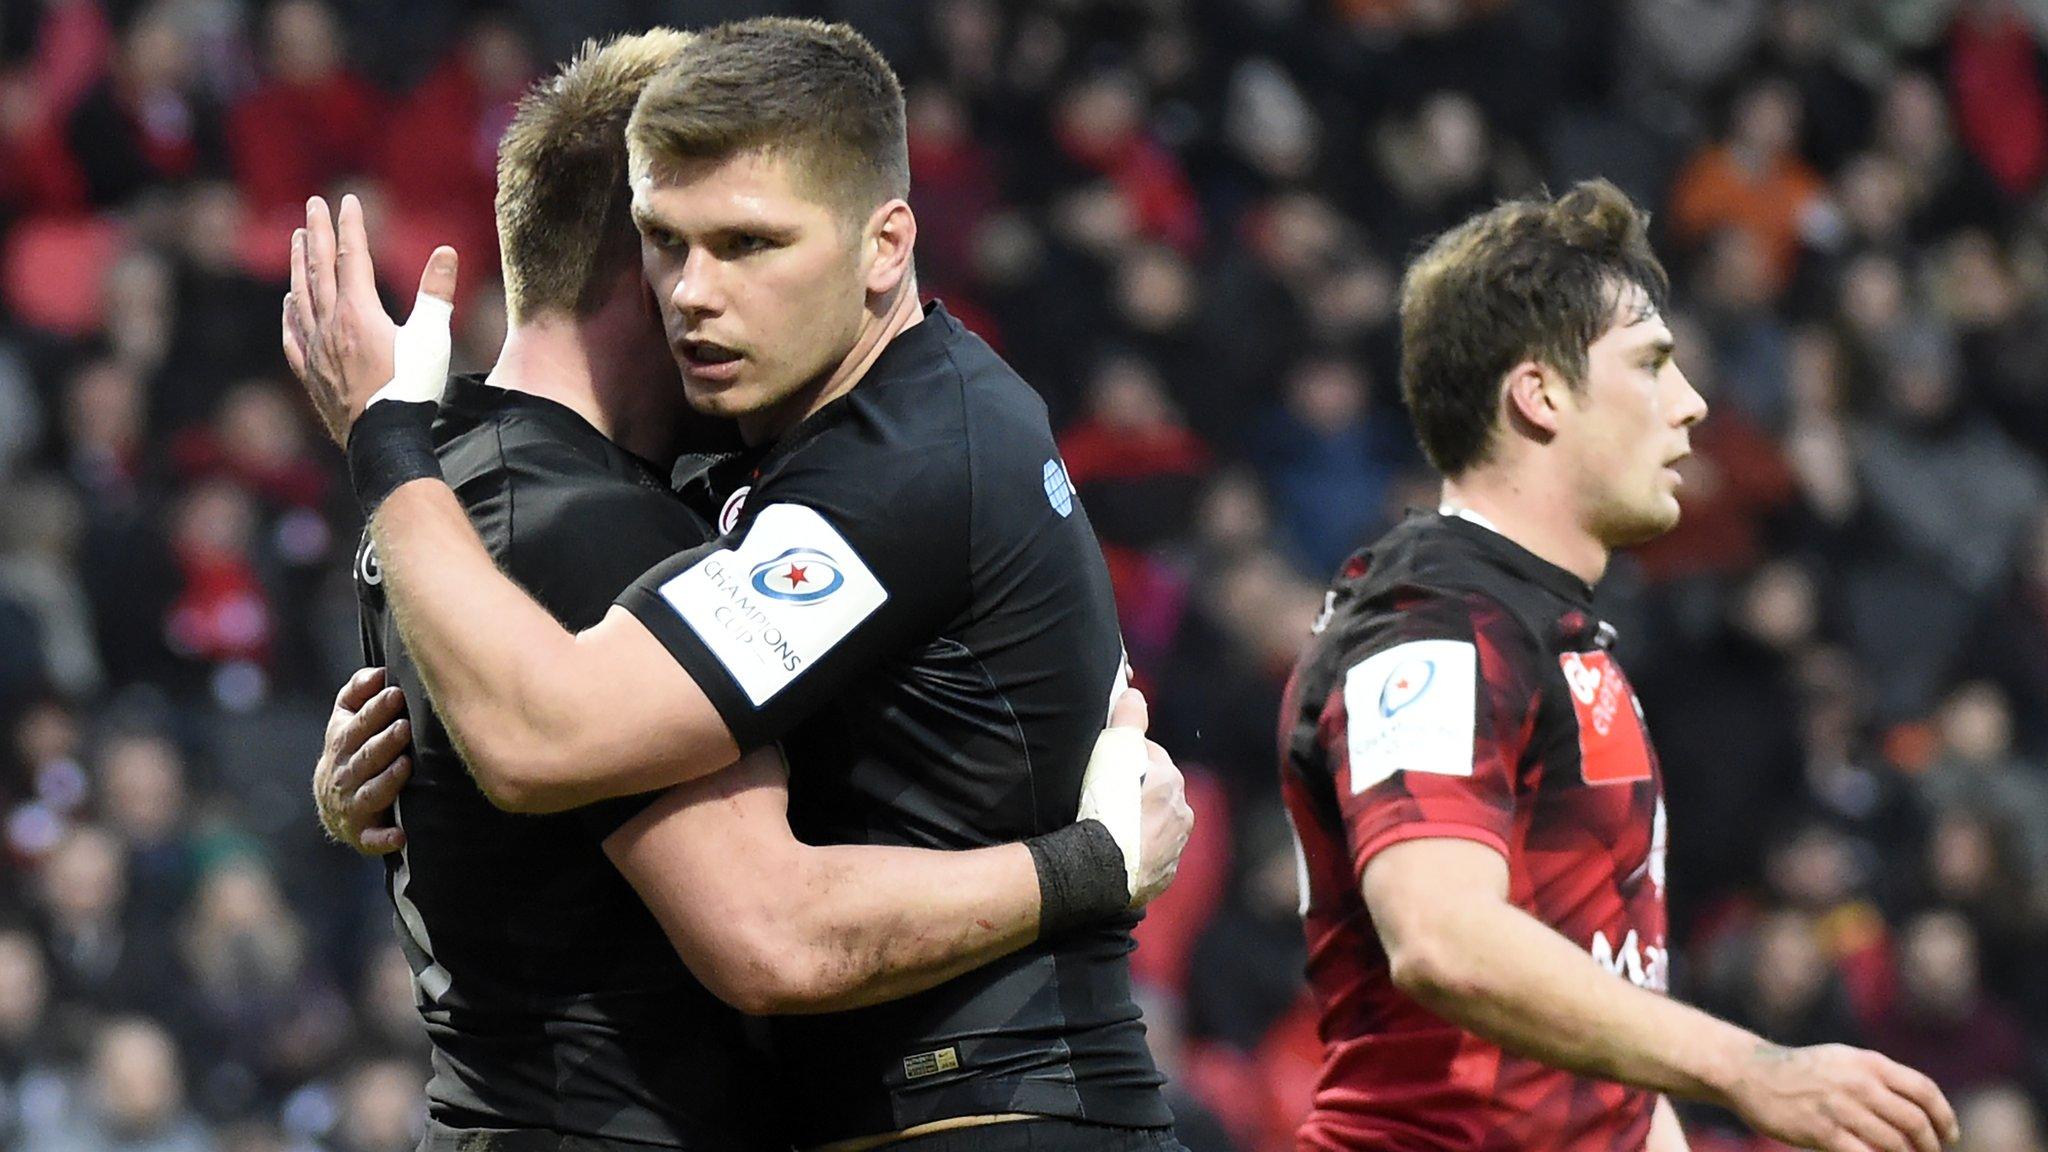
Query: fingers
[367, 682]
[1130, 711]
[1916, 1087]
[378, 753]
[320, 257]
[294, 344]
[1906, 1119]
[384, 710]
[1872, 1131]
[438, 279]
[381, 841]
[353, 269]
[301, 295]
[375, 797]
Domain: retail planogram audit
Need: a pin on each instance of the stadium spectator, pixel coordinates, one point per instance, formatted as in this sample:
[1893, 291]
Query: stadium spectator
[1942, 1019]
[132, 1099]
[311, 120]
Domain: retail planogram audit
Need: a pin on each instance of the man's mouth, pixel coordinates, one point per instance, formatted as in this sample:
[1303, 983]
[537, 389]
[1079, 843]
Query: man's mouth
[708, 352]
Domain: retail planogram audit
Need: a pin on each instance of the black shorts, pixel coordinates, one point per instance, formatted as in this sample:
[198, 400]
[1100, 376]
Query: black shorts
[441, 1138]
[1048, 1135]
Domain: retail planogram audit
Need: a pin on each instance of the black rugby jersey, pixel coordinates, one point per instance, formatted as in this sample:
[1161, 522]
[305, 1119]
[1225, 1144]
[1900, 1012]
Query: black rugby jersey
[1459, 686]
[908, 596]
[551, 995]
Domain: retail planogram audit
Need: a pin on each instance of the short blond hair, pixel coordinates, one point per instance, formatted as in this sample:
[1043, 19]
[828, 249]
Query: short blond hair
[563, 199]
[816, 94]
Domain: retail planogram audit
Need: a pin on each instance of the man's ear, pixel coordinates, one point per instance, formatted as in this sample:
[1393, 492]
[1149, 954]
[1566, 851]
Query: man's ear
[890, 242]
[1534, 393]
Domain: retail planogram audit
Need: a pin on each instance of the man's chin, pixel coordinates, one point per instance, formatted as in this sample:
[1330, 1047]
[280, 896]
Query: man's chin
[723, 401]
[1640, 526]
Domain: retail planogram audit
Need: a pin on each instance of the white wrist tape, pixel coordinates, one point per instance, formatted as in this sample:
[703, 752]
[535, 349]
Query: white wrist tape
[1112, 791]
[419, 362]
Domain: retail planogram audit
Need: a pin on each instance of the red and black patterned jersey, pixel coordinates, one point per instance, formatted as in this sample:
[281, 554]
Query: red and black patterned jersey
[1457, 685]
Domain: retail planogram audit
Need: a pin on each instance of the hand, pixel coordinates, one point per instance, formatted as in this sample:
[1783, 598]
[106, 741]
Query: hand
[1840, 1099]
[1166, 822]
[1135, 789]
[338, 339]
[362, 765]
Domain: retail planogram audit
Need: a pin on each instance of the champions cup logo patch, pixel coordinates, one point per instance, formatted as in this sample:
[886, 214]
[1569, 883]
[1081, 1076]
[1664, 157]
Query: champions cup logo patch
[1411, 708]
[800, 576]
[1406, 685]
[1612, 747]
[778, 600]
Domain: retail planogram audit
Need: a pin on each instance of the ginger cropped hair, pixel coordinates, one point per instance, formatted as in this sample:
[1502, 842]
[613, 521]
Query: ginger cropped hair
[815, 94]
[563, 197]
[1532, 279]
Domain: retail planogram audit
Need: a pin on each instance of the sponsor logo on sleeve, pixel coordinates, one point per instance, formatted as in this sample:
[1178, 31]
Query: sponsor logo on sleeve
[734, 505]
[1059, 491]
[1612, 749]
[786, 595]
[368, 570]
[1411, 709]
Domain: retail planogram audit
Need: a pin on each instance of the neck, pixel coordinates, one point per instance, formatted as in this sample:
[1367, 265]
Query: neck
[1533, 513]
[902, 313]
[555, 357]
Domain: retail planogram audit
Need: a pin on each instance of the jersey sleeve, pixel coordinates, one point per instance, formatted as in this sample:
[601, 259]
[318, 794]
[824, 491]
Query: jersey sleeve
[826, 578]
[1427, 731]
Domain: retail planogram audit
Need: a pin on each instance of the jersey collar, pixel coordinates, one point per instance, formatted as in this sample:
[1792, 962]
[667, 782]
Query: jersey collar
[1485, 533]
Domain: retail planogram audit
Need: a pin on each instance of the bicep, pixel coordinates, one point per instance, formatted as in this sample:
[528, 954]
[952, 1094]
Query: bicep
[1414, 885]
[638, 709]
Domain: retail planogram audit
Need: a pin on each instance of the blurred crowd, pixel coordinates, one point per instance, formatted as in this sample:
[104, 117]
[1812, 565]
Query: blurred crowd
[1184, 221]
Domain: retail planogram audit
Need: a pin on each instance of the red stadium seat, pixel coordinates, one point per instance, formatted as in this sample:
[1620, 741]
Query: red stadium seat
[54, 268]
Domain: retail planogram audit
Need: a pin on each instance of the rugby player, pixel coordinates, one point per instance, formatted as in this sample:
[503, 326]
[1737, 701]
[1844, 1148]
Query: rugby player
[558, 1013]
[906, 595]
[1479, 807]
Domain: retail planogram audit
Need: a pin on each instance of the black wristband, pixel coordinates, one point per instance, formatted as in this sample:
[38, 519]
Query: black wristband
[1081, 877]
[392, 442]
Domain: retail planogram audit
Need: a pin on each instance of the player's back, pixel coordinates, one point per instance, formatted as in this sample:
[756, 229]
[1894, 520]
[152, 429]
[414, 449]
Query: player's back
[552, 997]
[1459, 686]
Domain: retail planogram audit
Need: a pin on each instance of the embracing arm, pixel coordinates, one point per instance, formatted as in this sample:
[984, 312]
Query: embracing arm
[1458, 947]
[774, 926]
[546, 719]
[799, 928]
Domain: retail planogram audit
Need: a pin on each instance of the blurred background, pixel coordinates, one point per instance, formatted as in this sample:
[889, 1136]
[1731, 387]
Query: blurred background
[1184, 221]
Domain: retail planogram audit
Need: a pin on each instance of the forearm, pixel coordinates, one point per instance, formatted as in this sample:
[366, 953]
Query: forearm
[880, 923]
[1504, 975]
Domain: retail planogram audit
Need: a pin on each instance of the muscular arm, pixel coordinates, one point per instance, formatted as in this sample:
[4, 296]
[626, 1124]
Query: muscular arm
[1458, 947]
[776, 927]
[546, 719]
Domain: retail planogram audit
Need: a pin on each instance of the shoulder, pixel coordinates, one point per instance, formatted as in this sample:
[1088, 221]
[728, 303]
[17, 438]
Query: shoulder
[1416, 633]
